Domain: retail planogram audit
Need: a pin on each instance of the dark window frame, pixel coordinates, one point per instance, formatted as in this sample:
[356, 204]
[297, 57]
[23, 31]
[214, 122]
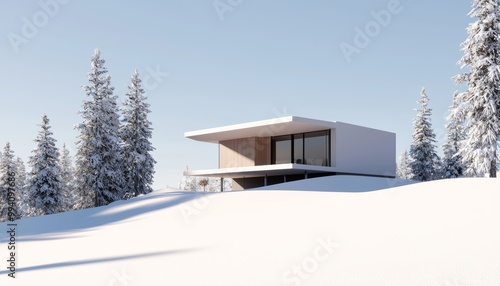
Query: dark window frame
[293, 160]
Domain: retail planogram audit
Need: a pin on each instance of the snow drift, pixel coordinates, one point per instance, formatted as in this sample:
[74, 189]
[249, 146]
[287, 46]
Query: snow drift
[437, 233]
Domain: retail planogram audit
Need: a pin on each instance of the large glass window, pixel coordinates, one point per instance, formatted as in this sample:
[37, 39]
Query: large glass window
[312, 148]
[282, 149]
[298, 148]
[316, 146]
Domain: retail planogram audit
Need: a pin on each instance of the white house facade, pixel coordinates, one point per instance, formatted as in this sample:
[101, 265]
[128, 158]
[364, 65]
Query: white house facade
[292, 148]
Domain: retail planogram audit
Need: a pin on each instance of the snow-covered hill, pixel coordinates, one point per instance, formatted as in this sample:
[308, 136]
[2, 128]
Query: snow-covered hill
[437, 233]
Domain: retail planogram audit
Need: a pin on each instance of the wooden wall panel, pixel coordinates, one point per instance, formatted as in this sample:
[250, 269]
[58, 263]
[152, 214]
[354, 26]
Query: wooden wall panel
[263, 151]
[244, 152]
[237, 153]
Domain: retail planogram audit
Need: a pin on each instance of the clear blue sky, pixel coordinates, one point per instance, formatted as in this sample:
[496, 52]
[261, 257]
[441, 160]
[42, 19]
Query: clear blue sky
[258, 60]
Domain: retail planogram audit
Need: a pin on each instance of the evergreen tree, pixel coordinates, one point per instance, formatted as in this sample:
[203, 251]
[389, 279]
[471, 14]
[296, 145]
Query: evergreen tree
[425, 161]
[21, 173]
[136, 132]
[481, 57]
[21, 182]
[45, 180]
[99, 166]
[404, 170]
[69, 196]
[452, 165]
[8, 191]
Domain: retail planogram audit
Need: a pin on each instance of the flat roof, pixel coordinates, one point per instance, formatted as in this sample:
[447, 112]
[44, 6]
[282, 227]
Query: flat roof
[271, 170]
[264, 128]
[260, 171]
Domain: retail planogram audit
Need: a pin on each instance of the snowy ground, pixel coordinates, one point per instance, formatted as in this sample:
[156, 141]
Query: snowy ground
[438, 233]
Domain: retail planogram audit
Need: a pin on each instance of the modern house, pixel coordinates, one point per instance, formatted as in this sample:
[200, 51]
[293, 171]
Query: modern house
[291, 148]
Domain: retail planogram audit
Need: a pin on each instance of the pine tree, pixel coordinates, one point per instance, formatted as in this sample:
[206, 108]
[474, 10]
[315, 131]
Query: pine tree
[21, 173]
[21, 182]
[9, 195]
[453, 166]
[425, 161]
[45, 180]
[404, 170]
[136, 132]
[481, 56]
[69, 196]
[99, 166]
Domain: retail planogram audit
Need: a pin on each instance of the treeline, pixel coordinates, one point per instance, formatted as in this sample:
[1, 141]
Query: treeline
[422, 162]
[473, 125]
[113, 159]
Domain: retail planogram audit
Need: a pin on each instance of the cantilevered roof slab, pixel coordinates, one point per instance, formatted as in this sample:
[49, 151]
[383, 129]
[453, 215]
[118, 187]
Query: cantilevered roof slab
[264, 128]
[260, 171]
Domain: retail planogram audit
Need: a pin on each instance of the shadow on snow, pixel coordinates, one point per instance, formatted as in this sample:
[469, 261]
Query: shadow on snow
[65, 225]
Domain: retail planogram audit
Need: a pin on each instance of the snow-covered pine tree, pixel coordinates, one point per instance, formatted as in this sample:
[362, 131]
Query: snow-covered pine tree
[45, 179]
[404, 170]
[69, 195]
[136, 132]
[481, 57]
[21, 173]
[452, 165]
[425, 164]
[7, 176]
[21, 182]
[98, 162]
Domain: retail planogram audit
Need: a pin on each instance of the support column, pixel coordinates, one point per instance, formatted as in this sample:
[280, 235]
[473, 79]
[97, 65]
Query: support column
[305, 175]
[221, 185]
[265, 180]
